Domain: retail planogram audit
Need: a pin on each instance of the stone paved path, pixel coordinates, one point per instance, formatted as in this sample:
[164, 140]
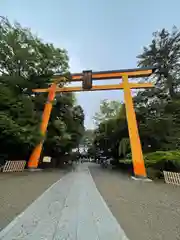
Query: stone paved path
[19, 190]
[145, 210]
[70, 209]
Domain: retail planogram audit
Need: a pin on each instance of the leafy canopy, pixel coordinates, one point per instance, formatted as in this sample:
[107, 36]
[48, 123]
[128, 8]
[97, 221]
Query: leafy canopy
[27, 62]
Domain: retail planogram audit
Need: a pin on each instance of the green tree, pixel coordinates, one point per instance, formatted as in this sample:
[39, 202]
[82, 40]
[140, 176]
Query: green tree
[124, 147]
[164, 53]
[112, 128]
[26, 62]
[108, 110]
[157, 109]
[158, 122]
[87, 139]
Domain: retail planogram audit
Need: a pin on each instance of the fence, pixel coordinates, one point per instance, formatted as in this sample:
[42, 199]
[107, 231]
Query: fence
[14, 166]
[172, 177]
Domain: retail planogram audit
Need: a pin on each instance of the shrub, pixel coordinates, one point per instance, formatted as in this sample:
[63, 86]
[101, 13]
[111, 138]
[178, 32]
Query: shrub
[156, 163]
[129, 156]
[163, 160]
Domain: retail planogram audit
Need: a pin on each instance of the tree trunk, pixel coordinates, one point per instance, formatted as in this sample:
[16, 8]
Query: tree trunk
[170, 86]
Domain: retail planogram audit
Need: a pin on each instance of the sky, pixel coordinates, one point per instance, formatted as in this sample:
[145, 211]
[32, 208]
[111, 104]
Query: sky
[98, 34]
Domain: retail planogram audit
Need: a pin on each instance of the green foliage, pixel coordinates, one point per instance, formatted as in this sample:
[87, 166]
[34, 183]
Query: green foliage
[111, 128]
[164, 52]
[108, 110]
[157, 109]
[156, 163]
[87, 139]
[108, 136]
[163, 160]
[26, 62]
[124, 147]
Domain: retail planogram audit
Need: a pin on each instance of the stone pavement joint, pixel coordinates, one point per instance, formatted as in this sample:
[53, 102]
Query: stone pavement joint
[71, 209]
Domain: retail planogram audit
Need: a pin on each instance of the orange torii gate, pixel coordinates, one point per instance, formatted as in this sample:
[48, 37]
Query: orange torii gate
[87, 77]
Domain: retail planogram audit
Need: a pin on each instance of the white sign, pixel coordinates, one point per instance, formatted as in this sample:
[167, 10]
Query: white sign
[47, 159]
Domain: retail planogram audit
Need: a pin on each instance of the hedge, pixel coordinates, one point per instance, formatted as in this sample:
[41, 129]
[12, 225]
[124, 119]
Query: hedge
[157, 162]
[163, 160]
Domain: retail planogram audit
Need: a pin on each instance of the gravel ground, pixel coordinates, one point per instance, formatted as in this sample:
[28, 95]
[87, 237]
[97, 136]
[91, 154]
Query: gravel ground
[146, 211]
[18, 190]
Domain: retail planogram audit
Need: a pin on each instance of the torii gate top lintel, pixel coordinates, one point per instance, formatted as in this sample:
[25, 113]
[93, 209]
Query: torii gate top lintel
[101, 75]
[112, 74]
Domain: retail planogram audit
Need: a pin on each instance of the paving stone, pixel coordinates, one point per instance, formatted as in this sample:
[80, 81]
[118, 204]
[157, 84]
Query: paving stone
[70, 209]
